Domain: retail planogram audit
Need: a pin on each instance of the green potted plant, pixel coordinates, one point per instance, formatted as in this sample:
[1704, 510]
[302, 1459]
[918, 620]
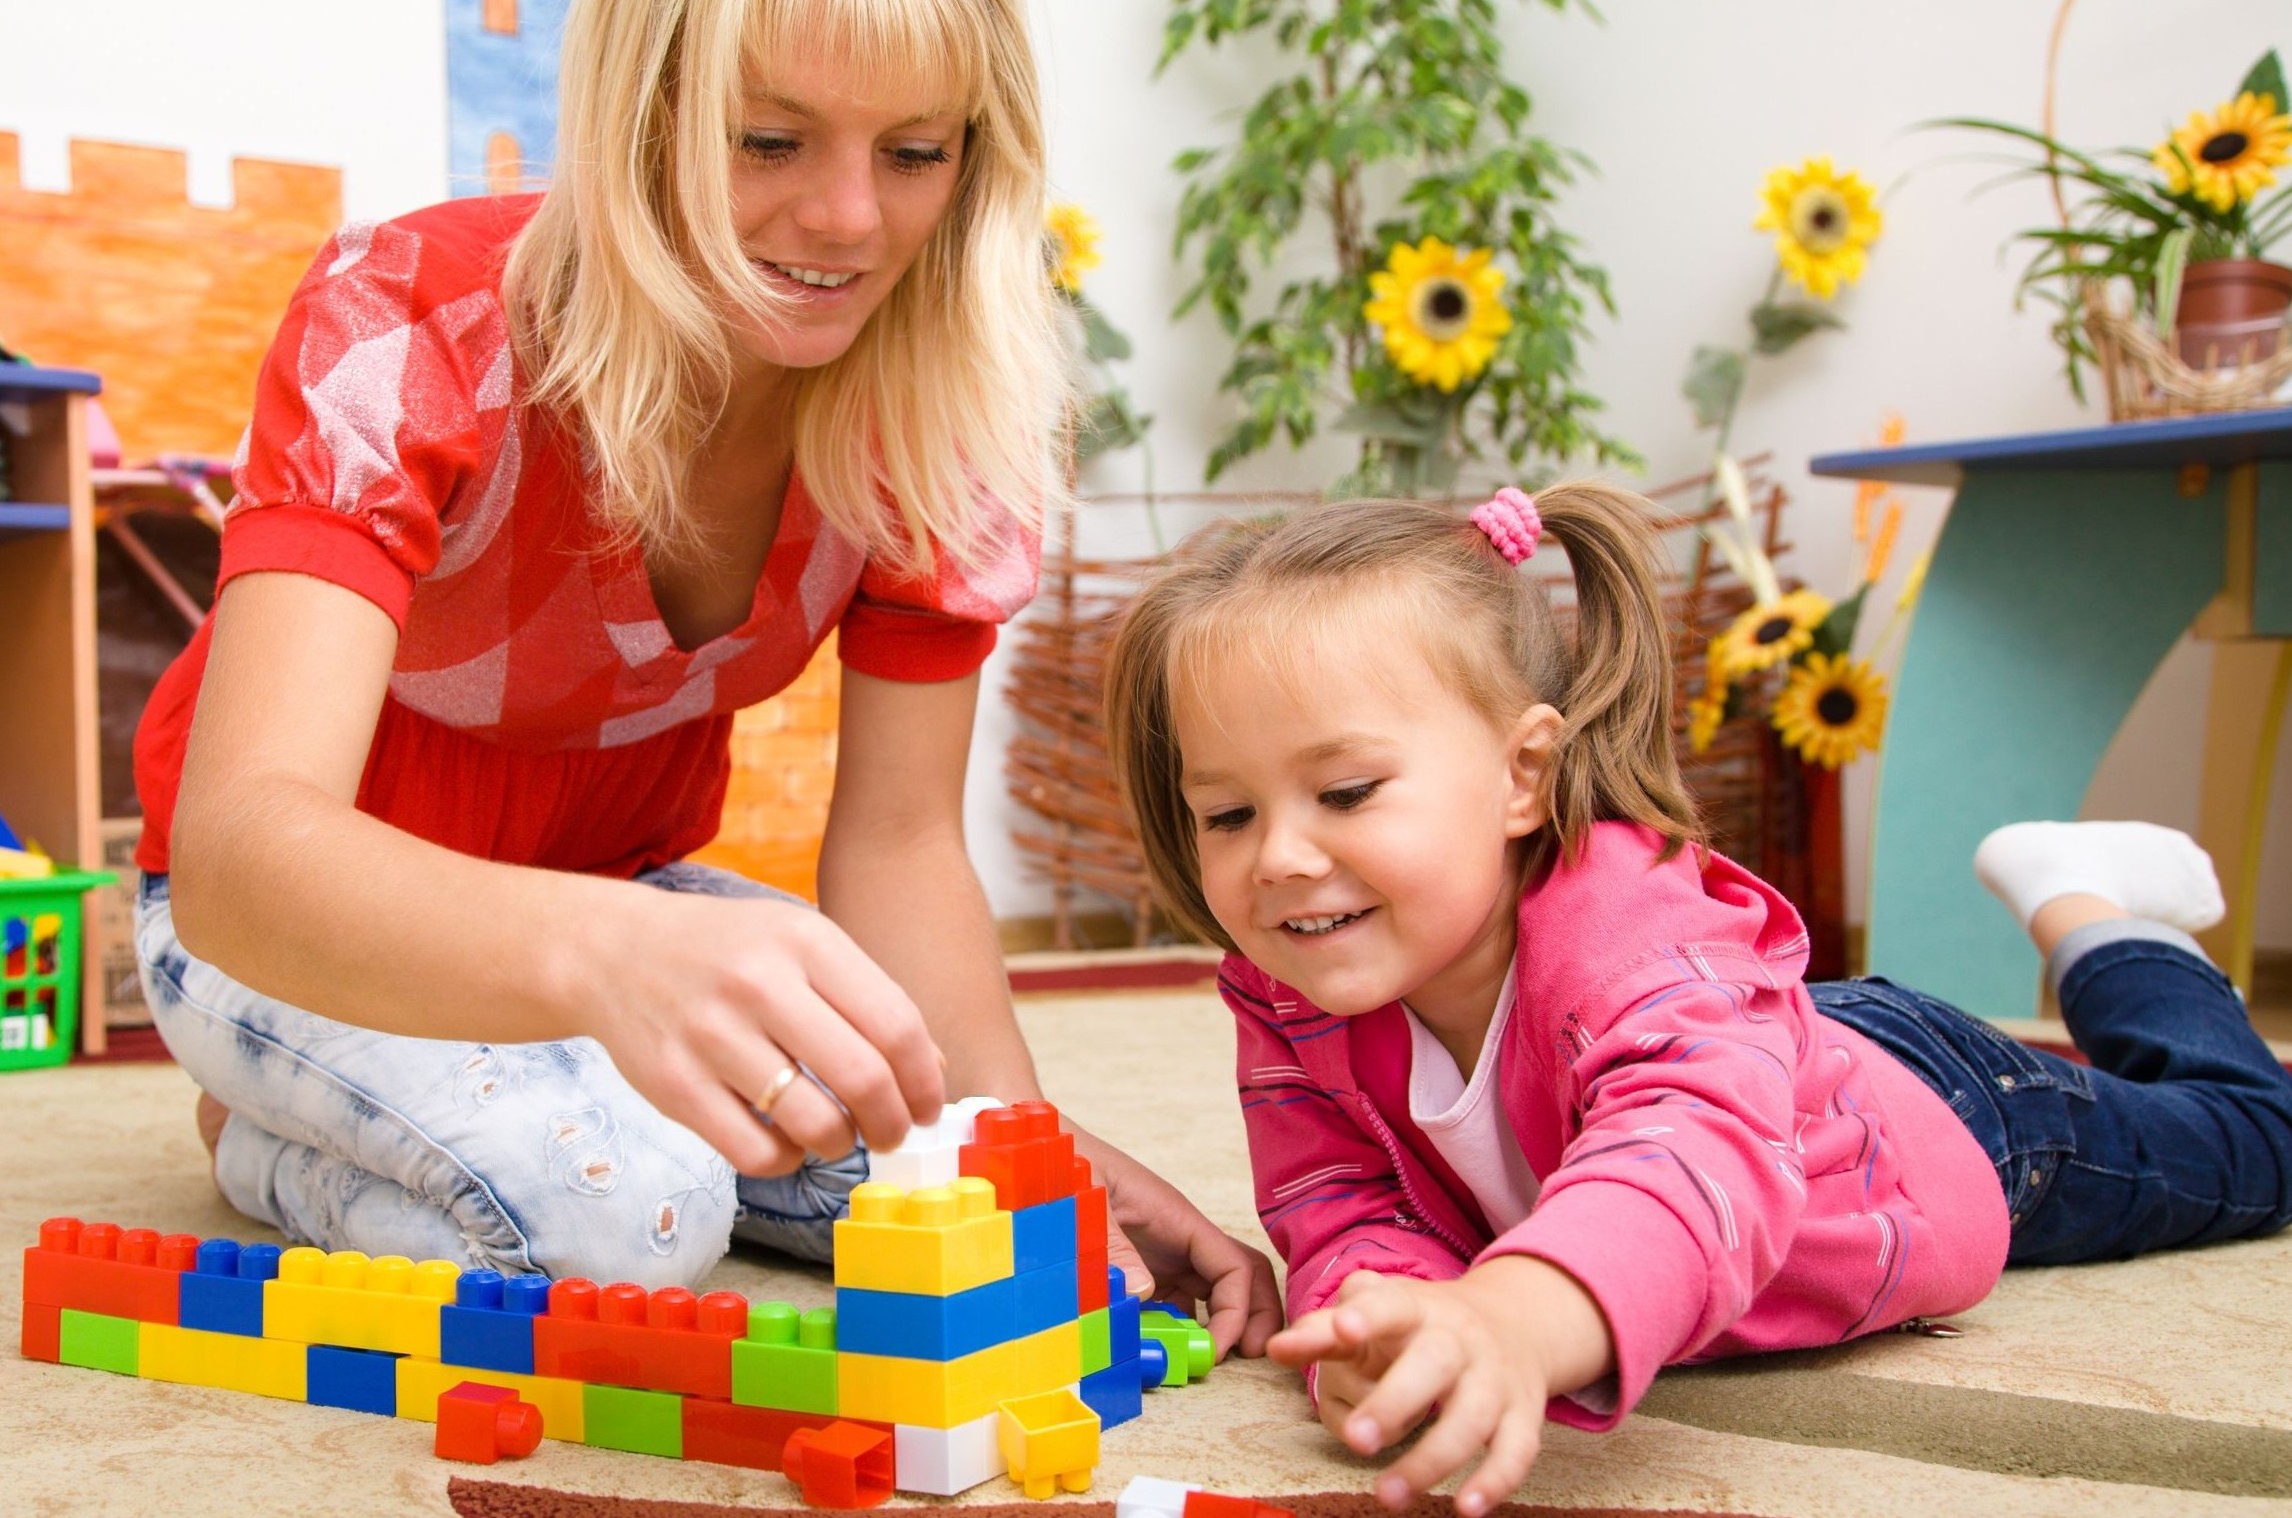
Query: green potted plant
[1441, 320]
[2185, 227]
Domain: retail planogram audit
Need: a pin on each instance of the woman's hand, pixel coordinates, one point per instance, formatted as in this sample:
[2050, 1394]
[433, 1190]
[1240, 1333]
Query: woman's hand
[1184, 1258]
[705, 1001]
[1487, 1350]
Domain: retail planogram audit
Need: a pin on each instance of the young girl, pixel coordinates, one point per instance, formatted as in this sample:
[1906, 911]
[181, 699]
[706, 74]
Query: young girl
[1537, 1100]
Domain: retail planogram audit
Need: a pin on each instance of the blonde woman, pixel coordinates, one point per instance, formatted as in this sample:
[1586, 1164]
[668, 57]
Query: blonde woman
[537, 492]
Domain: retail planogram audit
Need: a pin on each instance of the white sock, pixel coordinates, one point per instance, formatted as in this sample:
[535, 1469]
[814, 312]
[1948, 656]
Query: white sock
[2150, 871]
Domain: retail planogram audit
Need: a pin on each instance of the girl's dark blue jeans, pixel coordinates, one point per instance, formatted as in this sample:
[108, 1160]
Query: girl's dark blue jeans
[2179, 1133]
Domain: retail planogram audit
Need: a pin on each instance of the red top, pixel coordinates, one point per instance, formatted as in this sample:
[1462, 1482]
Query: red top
[538, 710]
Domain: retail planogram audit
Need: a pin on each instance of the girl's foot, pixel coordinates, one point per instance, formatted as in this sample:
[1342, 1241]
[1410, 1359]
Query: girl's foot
[2149, 871]
[212, 1116]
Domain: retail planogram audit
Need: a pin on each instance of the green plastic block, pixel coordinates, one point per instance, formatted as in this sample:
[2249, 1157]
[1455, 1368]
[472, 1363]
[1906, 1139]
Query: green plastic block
[1097, 1342]
[788, 1361]
[1188, 1346]
[96, 1342]
[641, 1422]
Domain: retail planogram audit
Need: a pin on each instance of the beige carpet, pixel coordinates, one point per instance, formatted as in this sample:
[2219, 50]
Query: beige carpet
[2156, 1387]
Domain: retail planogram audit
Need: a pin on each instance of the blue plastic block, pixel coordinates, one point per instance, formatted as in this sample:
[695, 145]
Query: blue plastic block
[1045, 1297]
[1114, 1393]
[1042, 1236]
[1121, 1318]
[489, 1324]
[223, 1291]
[1153, 1364]
[919, 1327]
[363, 1380]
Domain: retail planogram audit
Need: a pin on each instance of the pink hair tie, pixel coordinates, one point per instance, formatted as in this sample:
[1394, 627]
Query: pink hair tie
[1510, 519]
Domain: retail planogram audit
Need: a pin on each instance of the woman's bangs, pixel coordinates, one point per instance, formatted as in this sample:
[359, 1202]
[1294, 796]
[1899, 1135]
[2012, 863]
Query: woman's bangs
[935, 48]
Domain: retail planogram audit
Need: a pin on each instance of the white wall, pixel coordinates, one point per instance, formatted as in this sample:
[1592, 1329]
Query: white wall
[1683, 106]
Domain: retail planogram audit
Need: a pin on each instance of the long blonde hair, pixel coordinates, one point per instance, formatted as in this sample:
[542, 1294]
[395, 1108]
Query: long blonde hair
[945, 409]
[1266, 589]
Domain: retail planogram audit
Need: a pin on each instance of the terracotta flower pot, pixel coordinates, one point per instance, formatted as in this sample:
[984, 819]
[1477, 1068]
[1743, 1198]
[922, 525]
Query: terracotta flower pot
[2231, 311]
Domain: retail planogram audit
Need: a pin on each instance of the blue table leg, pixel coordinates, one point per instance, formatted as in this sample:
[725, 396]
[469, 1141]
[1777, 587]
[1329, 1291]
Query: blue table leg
[2051, 599]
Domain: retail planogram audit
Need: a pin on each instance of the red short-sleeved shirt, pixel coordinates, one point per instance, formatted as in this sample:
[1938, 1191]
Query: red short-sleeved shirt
[538, 710]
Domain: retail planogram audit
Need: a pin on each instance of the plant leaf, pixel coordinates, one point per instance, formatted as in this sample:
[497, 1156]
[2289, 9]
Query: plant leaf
[2266, 78]
[1835, 634]
[1102, 341]
[1777, 326]
[1714, 379]
[1387, 423]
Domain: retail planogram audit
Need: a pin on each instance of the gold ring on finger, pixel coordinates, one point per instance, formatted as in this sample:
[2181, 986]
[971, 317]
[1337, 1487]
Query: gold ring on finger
[772, 1093]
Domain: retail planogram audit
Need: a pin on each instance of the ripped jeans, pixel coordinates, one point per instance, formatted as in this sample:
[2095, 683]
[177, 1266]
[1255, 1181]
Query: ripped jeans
[514, 1157]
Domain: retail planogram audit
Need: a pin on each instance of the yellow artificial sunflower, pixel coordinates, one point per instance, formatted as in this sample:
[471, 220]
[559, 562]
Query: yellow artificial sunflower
[1822, 221]
[1440, 310]
[1833, 711]
[1073, 251]
[1766, 636]
[2228, 156]
[1704, 714]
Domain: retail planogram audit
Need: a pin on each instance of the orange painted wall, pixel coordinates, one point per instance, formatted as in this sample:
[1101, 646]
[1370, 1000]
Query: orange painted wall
[173, 304]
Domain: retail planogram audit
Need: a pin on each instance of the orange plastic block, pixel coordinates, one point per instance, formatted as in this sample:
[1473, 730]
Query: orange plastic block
[43, 1332]
[1218, 1505]
[481, 1424]
[102, 1268]
[844, 1465]
[1021, 1150]
[622, 1335]
[935, 1242]
[1049, 1441]
[352, 1302]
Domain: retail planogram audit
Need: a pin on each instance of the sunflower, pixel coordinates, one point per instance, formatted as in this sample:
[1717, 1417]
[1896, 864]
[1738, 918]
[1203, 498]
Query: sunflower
[1704, 714]
[1072, 246]
[1440, 311]
[2227, 156]
[1822, 221]
[1833, 711]
[1766, 636]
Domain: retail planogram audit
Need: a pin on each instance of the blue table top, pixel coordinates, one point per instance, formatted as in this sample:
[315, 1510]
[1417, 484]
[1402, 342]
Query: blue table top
[2220, 439]
[29, 382]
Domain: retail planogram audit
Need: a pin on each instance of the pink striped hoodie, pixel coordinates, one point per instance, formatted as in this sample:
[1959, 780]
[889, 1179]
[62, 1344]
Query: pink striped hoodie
[1723, 1168]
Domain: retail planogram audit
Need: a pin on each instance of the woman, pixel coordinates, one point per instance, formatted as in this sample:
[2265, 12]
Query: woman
[536, 493]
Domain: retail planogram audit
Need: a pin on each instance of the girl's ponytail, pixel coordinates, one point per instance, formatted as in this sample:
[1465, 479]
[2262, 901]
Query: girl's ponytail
[1616, 758]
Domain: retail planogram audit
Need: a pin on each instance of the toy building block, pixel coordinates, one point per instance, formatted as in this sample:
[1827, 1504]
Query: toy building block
[1121, 1320]
[353, 1302]
[622, 1335]
[43, 1332]
[1092, 1274]
[94, 1342]
[948, 1393]
[934, 1242]
[1187, 1343]
[943, 1462]
[1090, 1224]
[489, 1323]
[481, 1423]
[1153, 1497]
[927, 1327]
[930, 1154]
[1050, 1440]
[222, 1292]
[1201, 1504]
[845, 1465]
[788, 1361]
[363, 1380]
[1118, 1393]
[629, 1418]
[1021, 1150]
[101, 1268]
[233, 1362]
[1097, 1340]
[726, 1433]
[1046, 1235]
[1046, 1297]
[420, 1382]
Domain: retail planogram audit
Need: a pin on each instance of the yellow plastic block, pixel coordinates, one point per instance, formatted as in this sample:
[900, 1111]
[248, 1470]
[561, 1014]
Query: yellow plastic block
[234, 1362]
[352, 1302]
[951, 1393]
[935, 1241]
[420, 1382]
[1049, 1440]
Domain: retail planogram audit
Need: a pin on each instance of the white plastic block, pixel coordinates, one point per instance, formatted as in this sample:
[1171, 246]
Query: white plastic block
[942, 1462]
[931, 1154]
[1151, 1497]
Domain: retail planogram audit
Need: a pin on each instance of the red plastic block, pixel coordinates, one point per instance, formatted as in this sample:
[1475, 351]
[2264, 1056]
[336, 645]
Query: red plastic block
[1091, 1289]
[98, 1267]
[667, 1340]
[1219, 1505]
[43, 1332]
[727, 1433]
[481, 1423]
[843, 1465]
[1021, 1150]
[1090, 1221]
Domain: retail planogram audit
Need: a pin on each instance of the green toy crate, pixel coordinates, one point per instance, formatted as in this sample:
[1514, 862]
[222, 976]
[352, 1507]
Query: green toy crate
[40, 966]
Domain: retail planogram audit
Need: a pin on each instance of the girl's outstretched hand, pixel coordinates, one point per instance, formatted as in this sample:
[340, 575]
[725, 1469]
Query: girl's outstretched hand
[1487, 1350]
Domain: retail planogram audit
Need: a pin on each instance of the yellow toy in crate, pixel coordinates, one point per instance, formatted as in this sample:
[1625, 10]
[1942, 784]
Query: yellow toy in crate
[40, 966]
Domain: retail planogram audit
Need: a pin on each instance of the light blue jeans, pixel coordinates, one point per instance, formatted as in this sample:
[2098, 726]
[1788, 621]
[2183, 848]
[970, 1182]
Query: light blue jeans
[514, 1157]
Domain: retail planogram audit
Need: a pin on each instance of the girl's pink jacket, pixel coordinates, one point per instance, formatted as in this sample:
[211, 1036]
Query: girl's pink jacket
[1724, 1169]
